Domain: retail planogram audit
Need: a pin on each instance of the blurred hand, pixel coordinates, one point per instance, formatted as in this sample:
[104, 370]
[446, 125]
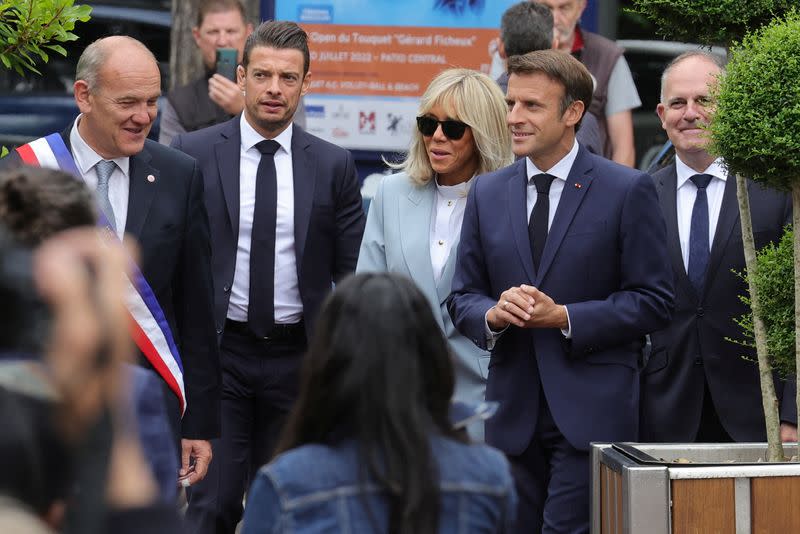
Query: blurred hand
[788, 433]
[80, 274]
[226, 94]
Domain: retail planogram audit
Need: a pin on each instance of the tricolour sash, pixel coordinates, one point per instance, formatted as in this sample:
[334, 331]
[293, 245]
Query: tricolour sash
[149, 328]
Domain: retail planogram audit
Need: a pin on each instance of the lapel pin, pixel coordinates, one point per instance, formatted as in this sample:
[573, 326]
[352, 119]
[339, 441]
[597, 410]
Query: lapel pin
[577, 185]
[151, 178]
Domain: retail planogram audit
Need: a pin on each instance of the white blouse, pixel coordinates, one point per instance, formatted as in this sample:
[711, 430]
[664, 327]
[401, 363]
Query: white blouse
[446, 219]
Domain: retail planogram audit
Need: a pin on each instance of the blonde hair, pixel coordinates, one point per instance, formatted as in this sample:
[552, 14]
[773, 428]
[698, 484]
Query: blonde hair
[475, 99]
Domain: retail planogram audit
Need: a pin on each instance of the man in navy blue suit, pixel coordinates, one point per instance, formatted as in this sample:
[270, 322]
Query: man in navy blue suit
[286, 223]
[561, 271]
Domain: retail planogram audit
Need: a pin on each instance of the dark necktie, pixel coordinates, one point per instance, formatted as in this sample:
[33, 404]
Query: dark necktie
[260, 308]
[699, 249]
[537, 224]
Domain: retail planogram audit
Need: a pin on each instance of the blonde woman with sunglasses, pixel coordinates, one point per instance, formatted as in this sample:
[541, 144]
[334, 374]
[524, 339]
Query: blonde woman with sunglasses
[414, 221]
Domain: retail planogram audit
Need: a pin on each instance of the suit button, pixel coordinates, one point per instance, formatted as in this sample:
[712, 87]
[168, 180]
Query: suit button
[698, 360]
[226, 288]
[589, 350]
[700, 311]
[219, 330]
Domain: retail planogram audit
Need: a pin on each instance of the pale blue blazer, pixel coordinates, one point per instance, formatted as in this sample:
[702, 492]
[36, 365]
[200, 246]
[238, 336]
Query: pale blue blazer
[396, 239]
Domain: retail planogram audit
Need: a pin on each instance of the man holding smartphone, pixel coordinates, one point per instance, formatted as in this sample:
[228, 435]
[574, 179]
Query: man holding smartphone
[222, 26]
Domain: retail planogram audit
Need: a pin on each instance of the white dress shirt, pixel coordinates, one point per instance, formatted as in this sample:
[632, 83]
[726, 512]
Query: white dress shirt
[287, 304]
[119, 183]
[560, 171]
[686, 195]
[448, 214]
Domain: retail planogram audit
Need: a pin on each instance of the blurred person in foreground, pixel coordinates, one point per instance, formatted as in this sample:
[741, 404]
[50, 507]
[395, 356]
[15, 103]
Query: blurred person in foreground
[73, 408]
[35, 204]
[414, 221]
[372, 420]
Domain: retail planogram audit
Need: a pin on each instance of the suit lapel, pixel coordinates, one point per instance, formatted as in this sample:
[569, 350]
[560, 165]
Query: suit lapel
[228, 156]
[445, 283]
[668, 198]
[142, 191]
[728, 217]
[575, 189]
[518, 214]
[304, 170]
[415, 211]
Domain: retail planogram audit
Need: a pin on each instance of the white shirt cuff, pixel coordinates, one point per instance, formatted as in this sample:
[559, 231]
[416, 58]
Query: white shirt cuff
[568, 332]
[491, 335]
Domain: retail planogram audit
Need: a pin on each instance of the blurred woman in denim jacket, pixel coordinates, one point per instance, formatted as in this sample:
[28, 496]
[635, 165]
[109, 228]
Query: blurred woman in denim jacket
[368, 446]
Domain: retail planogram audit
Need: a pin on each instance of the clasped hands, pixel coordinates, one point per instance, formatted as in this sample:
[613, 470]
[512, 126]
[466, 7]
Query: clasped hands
[526, 307]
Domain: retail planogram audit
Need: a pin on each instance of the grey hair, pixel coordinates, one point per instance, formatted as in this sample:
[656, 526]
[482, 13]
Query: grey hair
[95, 56]
[475, 99]
[526, 27]
[702, 54]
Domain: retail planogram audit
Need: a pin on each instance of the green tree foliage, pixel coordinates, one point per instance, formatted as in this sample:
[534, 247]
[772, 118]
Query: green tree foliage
[709, 21]
[774, 280]
[757, 118]
[29, 29]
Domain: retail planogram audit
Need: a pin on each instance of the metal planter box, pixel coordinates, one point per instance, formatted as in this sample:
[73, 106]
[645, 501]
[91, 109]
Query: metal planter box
[639, 488]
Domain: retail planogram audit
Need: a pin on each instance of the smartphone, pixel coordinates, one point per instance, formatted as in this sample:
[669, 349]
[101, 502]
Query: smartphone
[226, 62]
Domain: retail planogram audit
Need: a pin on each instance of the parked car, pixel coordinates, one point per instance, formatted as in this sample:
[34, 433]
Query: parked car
[647, 60]
[32, 106]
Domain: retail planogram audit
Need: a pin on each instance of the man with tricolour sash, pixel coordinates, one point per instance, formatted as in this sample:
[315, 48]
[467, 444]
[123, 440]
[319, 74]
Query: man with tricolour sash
[154, 194]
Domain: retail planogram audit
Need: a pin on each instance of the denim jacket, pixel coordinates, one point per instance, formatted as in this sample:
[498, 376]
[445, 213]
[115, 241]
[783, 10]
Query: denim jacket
[315, 489]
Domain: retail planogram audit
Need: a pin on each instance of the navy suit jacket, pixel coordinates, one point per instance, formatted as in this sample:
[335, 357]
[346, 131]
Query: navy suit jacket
[605, 258]
[168, 219]
[328, 215]
[693, 348]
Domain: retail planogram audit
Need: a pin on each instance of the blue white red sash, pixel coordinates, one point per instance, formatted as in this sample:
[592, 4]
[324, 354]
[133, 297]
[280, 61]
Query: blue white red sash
[149, 327]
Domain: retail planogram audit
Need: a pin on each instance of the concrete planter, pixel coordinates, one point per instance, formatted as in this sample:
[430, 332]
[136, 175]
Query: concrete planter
[727, 488]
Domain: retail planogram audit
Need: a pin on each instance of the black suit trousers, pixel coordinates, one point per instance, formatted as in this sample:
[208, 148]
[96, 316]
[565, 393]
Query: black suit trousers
[259, 385]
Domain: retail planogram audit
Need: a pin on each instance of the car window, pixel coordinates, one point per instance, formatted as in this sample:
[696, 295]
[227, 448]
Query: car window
[59, 73]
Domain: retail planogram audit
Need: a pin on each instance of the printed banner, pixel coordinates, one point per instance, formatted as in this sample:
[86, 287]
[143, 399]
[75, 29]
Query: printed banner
[372, 59]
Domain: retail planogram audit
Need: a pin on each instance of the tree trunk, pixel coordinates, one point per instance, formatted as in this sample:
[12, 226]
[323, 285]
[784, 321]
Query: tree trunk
[796, 233]
[768, 399]
[185, 64]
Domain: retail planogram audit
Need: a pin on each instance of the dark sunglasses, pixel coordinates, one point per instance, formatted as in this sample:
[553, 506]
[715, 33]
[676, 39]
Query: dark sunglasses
[451, 129]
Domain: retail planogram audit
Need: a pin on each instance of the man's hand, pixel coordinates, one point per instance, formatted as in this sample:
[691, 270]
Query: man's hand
[226, 94]
[546, 313]
[526, 307]
[788, 433]
[200, 450]
[513, 307]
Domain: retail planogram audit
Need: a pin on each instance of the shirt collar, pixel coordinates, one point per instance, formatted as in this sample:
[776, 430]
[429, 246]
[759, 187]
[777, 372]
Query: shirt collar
[86, 157]
[684, 172]
[560, 170]
[454, 192]
[250, 137]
